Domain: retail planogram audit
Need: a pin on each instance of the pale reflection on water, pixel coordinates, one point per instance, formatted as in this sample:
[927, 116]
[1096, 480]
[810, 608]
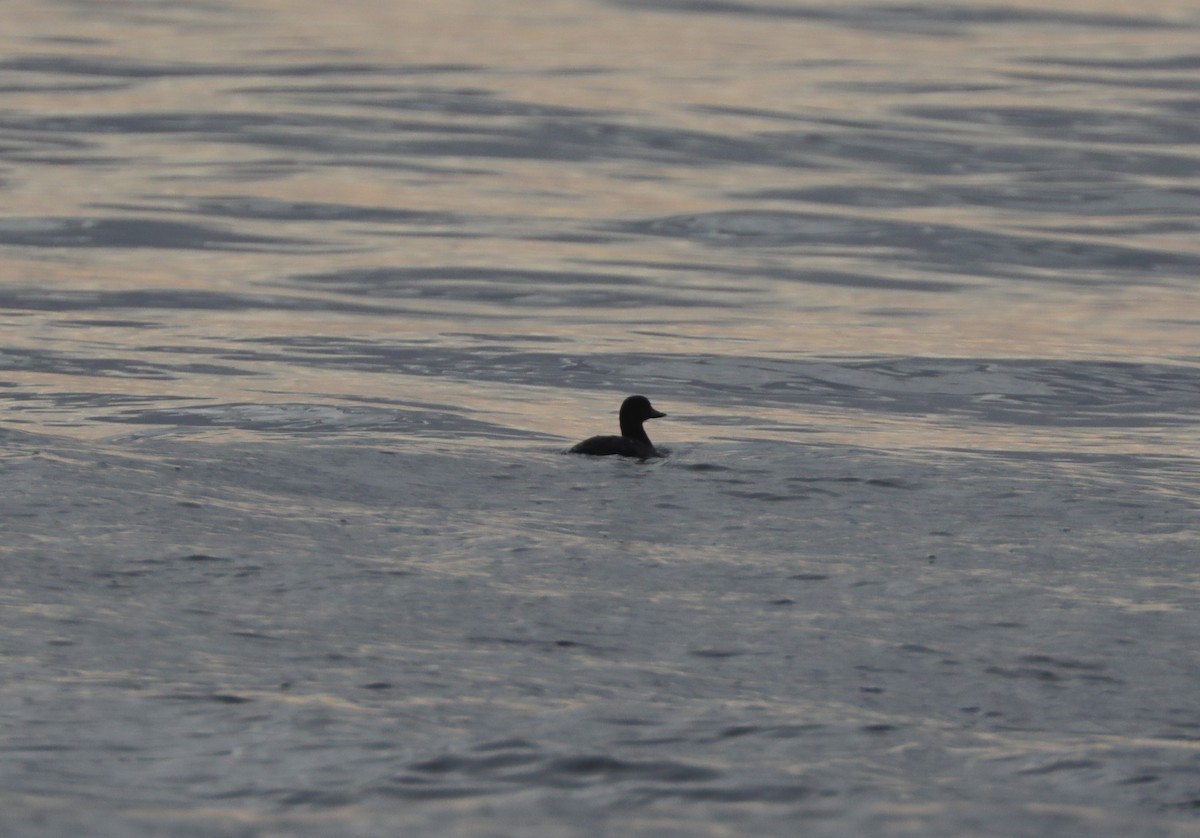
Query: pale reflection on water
[214, 205]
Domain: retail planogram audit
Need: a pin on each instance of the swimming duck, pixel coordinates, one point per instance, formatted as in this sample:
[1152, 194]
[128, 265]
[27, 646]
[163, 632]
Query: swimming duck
[633, 441]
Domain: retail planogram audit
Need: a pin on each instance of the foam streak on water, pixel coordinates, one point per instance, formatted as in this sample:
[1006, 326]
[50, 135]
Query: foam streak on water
[301, 304]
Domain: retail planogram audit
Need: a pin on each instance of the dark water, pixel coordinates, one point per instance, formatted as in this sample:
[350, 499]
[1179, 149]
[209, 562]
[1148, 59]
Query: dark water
[302, 302]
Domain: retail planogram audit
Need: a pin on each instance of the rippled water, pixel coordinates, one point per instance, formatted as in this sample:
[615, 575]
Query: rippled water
[302, 302]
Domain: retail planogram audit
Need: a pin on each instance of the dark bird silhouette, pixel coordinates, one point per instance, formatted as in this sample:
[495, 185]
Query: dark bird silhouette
[633, 441]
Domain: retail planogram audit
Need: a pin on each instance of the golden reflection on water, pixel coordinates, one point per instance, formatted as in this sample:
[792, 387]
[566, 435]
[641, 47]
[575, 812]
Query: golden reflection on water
[715, 75]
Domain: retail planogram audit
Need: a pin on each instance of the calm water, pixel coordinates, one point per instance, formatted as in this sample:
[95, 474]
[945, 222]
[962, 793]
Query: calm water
[301, 303]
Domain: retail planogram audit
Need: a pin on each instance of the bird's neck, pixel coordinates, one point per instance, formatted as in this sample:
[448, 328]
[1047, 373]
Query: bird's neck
[634, 430]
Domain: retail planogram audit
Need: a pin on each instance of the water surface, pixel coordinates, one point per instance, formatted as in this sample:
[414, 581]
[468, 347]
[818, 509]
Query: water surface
[301, 305]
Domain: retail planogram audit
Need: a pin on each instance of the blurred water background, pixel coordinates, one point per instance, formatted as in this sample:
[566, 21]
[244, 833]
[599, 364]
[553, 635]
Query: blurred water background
[301, 303]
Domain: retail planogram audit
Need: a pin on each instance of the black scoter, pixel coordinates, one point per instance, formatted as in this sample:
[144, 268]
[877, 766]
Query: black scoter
[633, 441]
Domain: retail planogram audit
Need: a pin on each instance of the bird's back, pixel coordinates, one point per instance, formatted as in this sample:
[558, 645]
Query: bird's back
[601, 446]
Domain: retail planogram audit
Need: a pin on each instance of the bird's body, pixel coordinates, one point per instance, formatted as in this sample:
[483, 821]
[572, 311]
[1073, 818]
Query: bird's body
[633, 441]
